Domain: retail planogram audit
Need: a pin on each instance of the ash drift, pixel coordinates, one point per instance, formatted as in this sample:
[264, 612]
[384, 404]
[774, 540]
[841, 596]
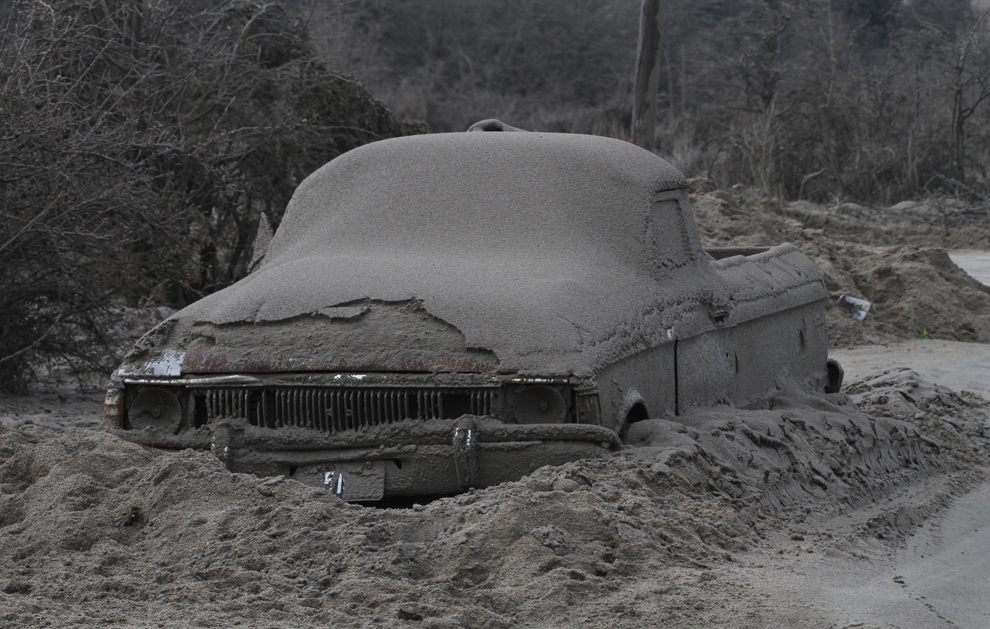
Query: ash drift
[450, 311]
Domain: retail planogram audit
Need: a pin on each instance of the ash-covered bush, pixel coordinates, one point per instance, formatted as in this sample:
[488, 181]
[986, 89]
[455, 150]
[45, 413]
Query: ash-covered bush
[139, 144]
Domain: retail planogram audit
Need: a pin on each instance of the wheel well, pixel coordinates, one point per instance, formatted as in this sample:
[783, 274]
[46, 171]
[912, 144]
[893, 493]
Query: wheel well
[637, 413]
[835, 375]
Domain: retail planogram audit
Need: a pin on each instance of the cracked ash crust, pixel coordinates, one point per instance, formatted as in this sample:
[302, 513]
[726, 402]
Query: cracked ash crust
[360, 337]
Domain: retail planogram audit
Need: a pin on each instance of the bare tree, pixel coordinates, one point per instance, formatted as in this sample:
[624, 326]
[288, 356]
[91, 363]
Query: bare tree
[648, 55]
[970, 63]
[141, 143]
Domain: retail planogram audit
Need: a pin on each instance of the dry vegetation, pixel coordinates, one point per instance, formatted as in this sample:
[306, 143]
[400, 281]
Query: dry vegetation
[871, 100]
[141, 142]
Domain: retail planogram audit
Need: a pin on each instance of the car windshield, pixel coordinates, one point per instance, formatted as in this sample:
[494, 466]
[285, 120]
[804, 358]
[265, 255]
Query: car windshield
[487, 195]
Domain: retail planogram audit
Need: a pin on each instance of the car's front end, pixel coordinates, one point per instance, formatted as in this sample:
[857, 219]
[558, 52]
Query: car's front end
[365, 436]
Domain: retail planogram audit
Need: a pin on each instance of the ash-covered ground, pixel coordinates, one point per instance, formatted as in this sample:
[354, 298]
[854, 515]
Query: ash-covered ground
[717, 519]
[97, 531]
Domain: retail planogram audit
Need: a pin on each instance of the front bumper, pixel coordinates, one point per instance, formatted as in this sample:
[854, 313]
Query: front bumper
[437, 458]
[368, 437]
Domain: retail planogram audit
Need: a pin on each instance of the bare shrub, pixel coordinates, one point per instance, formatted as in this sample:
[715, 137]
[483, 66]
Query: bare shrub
[140, 144]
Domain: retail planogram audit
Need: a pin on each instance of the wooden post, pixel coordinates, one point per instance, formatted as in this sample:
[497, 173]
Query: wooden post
[644, 118]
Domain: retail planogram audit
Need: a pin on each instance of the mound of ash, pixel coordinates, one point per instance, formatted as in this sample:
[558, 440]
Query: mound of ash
[94, 530]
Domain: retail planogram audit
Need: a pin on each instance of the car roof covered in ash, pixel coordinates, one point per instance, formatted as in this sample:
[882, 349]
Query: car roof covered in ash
[535, 246]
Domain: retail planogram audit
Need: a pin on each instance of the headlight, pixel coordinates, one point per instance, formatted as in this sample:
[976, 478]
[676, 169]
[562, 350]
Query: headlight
[155, 408]
[538, 404]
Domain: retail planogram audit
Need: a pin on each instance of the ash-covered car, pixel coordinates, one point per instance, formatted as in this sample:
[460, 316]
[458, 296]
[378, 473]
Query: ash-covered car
[448, 311]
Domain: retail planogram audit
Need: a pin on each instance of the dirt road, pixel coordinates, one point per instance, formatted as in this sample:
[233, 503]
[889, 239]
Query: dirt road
[938, 578]
[974, 262]
[959, 366]
[941, 579]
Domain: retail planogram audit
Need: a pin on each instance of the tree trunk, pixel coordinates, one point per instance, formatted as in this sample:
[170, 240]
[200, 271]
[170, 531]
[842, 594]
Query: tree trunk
[647, 75]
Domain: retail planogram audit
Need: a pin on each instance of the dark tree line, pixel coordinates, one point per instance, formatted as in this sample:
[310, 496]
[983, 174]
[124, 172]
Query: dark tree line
[875, 101]
[139, 144]
[868, 100]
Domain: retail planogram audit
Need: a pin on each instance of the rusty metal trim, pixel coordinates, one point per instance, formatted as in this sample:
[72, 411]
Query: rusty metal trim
[537, 380]
[330, 378]
[193, 381]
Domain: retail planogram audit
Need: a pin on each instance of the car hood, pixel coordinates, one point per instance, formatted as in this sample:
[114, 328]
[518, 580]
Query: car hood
[378, 312]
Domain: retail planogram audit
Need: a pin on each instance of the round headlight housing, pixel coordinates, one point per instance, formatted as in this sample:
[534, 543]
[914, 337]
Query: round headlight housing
[155, 408]
[538, 404]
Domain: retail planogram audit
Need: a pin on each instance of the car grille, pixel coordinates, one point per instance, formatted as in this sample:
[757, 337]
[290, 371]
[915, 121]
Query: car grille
[336, 409]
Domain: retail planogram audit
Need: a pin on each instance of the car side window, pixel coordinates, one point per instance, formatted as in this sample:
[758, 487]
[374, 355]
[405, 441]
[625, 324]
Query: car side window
[669, 245]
